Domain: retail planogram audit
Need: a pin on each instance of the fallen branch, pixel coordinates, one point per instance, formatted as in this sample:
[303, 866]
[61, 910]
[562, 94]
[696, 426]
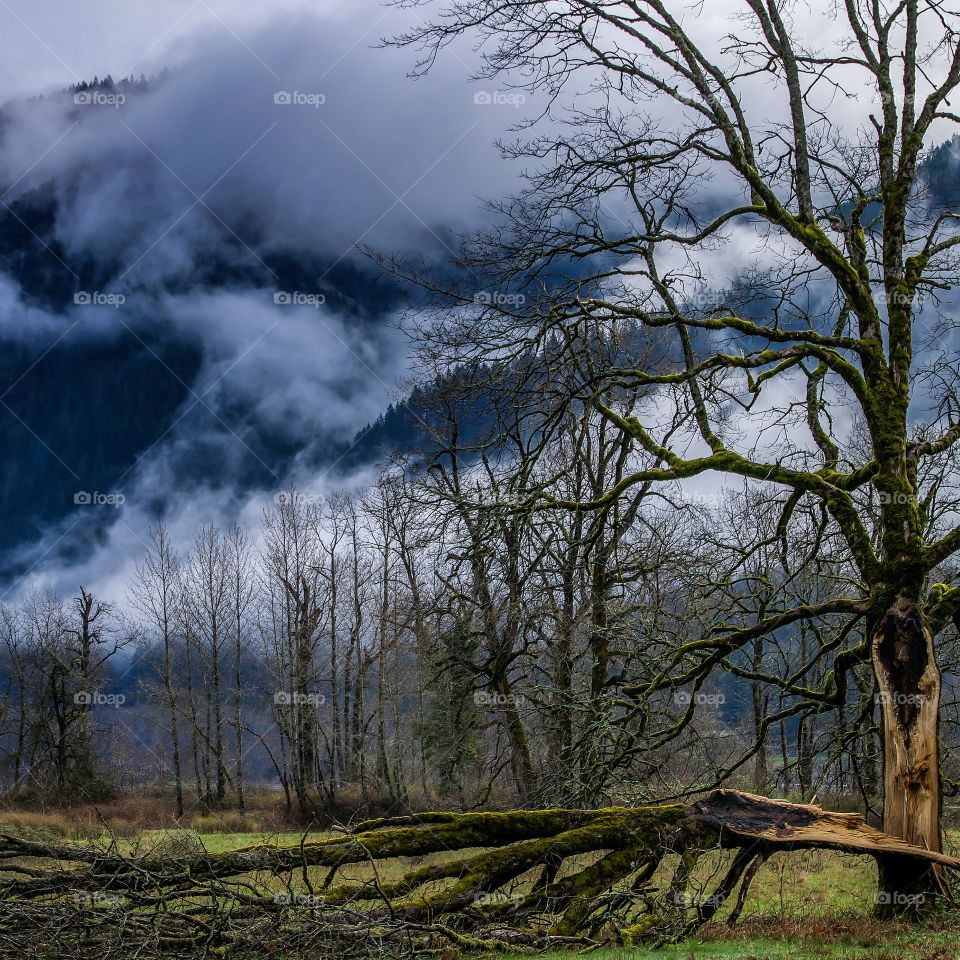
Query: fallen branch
[528, 878]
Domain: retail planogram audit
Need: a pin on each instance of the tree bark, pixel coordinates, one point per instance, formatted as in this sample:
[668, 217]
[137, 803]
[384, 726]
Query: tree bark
[909, 686]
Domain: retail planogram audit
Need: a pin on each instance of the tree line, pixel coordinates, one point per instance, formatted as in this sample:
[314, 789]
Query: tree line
[426, 641]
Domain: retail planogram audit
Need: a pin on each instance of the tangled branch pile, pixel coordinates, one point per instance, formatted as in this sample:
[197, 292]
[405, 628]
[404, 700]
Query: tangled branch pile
[528, 878]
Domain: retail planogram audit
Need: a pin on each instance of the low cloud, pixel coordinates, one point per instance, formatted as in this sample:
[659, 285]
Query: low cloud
[218, 205]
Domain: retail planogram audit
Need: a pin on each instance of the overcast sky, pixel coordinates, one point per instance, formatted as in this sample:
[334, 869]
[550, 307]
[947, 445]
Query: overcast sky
[281, 127]
[46, 43]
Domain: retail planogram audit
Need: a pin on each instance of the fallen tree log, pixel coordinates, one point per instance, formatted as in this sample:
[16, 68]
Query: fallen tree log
[533, 878]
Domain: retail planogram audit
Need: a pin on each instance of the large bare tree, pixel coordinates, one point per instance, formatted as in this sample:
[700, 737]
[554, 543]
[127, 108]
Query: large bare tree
[750, 206]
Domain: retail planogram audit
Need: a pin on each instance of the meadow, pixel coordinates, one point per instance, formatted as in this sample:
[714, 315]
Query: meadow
[803, 905]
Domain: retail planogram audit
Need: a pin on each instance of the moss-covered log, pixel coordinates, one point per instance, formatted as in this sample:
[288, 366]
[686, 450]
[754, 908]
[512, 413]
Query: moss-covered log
[530, 877]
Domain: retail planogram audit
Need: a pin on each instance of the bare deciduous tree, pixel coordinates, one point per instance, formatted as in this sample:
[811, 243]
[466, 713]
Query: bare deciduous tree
[848, 249]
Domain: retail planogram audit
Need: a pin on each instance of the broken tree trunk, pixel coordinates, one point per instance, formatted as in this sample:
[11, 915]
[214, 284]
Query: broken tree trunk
[536, 878]
[909, 695]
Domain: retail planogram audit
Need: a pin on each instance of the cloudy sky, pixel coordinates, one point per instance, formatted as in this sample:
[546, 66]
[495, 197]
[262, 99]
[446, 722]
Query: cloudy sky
[47, 45]
[267, 134]
[279, 131]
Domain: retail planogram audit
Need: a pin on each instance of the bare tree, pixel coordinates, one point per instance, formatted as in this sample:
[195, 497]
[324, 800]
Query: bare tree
[292, 578]
[15, 636]
[852, 247]
[156, 591]
[242, 597]
[207, 611]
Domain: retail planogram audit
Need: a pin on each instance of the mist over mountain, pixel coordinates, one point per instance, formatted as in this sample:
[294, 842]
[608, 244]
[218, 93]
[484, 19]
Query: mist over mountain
[186, 322]
[187, 325]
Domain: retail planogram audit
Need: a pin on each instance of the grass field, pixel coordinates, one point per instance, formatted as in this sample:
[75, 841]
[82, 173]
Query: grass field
[853, 943]
[802, 906]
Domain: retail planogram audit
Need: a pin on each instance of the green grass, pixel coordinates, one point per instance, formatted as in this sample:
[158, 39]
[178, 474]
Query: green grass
[812, 885]
[224, 842]
[813, 905]
[918, 945]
